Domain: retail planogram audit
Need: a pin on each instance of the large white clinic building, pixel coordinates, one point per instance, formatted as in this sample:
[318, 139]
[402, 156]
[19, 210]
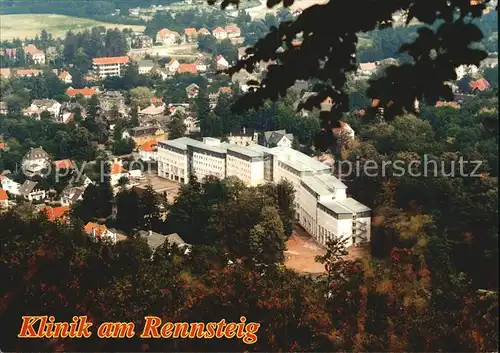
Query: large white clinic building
[321, 203]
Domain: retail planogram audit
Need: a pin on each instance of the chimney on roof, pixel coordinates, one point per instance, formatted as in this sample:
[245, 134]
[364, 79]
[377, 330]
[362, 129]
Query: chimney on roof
[150, 232]
[244, 130]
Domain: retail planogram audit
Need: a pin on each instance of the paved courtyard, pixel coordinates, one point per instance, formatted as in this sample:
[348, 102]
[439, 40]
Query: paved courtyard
[161, 185]
[302, 250]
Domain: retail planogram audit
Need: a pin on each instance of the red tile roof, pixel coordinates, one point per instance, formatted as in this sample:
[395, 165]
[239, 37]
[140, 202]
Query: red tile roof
[149, 146]
[157, 100]
[480, 85]
[447, 104]
[64, 164]
[28, 72]
[54, 213]
[116, 168]
[63, 75]
[31, 49]
[5, 72]
[99, 229]
[190, 31]
[86, 92]
[111, 60]
[219, 30]
[187, 68]
[3, 195]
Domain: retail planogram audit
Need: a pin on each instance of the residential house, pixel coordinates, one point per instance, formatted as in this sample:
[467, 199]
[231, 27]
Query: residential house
[233, 31]
[59, 213]
[27, 72]
[201, 65]
[367, 69]
[142, 134]
[344, 130]
[66, 112]
[34, 54]
[172, 66]
[148, 150]
[191, 124]
[5, 73]
[31, 191]
[66, 77]
[142, 41]
[455, 105]
[155, 240]
[243, 137]
[38, 106]
[152, 112]
[221, 63]
[85, 92]
[110, 100]
[35, 162]
[190, 35]
[110, 66]
[63, 164]
[11, 53]
[245, 80]
[10, 185]
[278, 138]
[145, 66]
[4, 199]
[4, 108]
[242, 52]
[157, 101]
[187, 68]
[203, 32]
[99, 232]
[480, 85]
[117, 172]
[167, 37]
[192, 90]
[219, 33]
[72, 194]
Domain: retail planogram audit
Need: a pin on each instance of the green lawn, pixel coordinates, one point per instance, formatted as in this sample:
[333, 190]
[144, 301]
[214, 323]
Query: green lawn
[29, 25]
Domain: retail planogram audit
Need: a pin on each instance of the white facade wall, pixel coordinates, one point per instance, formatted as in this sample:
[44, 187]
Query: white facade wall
[206, 163]
[321, 203]
[105, 70]
[173, 163]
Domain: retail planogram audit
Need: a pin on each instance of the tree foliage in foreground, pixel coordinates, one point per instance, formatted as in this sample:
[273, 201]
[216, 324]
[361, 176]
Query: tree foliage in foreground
[328, 46]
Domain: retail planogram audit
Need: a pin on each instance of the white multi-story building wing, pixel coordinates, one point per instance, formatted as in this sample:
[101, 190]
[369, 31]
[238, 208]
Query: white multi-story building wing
[321, 203]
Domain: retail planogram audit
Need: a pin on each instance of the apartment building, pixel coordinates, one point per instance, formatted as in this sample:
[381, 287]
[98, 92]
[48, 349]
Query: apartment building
[322, 205]
[109, 66]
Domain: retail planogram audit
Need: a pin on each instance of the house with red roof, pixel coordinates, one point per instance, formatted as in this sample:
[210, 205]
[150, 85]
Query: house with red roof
[221, 63]
[148, 150]
[34, 54]
[233, 31]
[110, 66]
[172, 66]
[86, 92]
[167, 37]
[190, 35]
[63, 164]
[28, 73]
[455, 105]
[99, 232]
[187, 68]
[219, 33]
[5, 73]
[66, 77]
[4, 199]
[480, 85]
[56, 213]
[203, 32]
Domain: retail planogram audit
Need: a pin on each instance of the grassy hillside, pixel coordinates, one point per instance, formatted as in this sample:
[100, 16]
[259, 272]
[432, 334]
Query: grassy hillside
[29, 25]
